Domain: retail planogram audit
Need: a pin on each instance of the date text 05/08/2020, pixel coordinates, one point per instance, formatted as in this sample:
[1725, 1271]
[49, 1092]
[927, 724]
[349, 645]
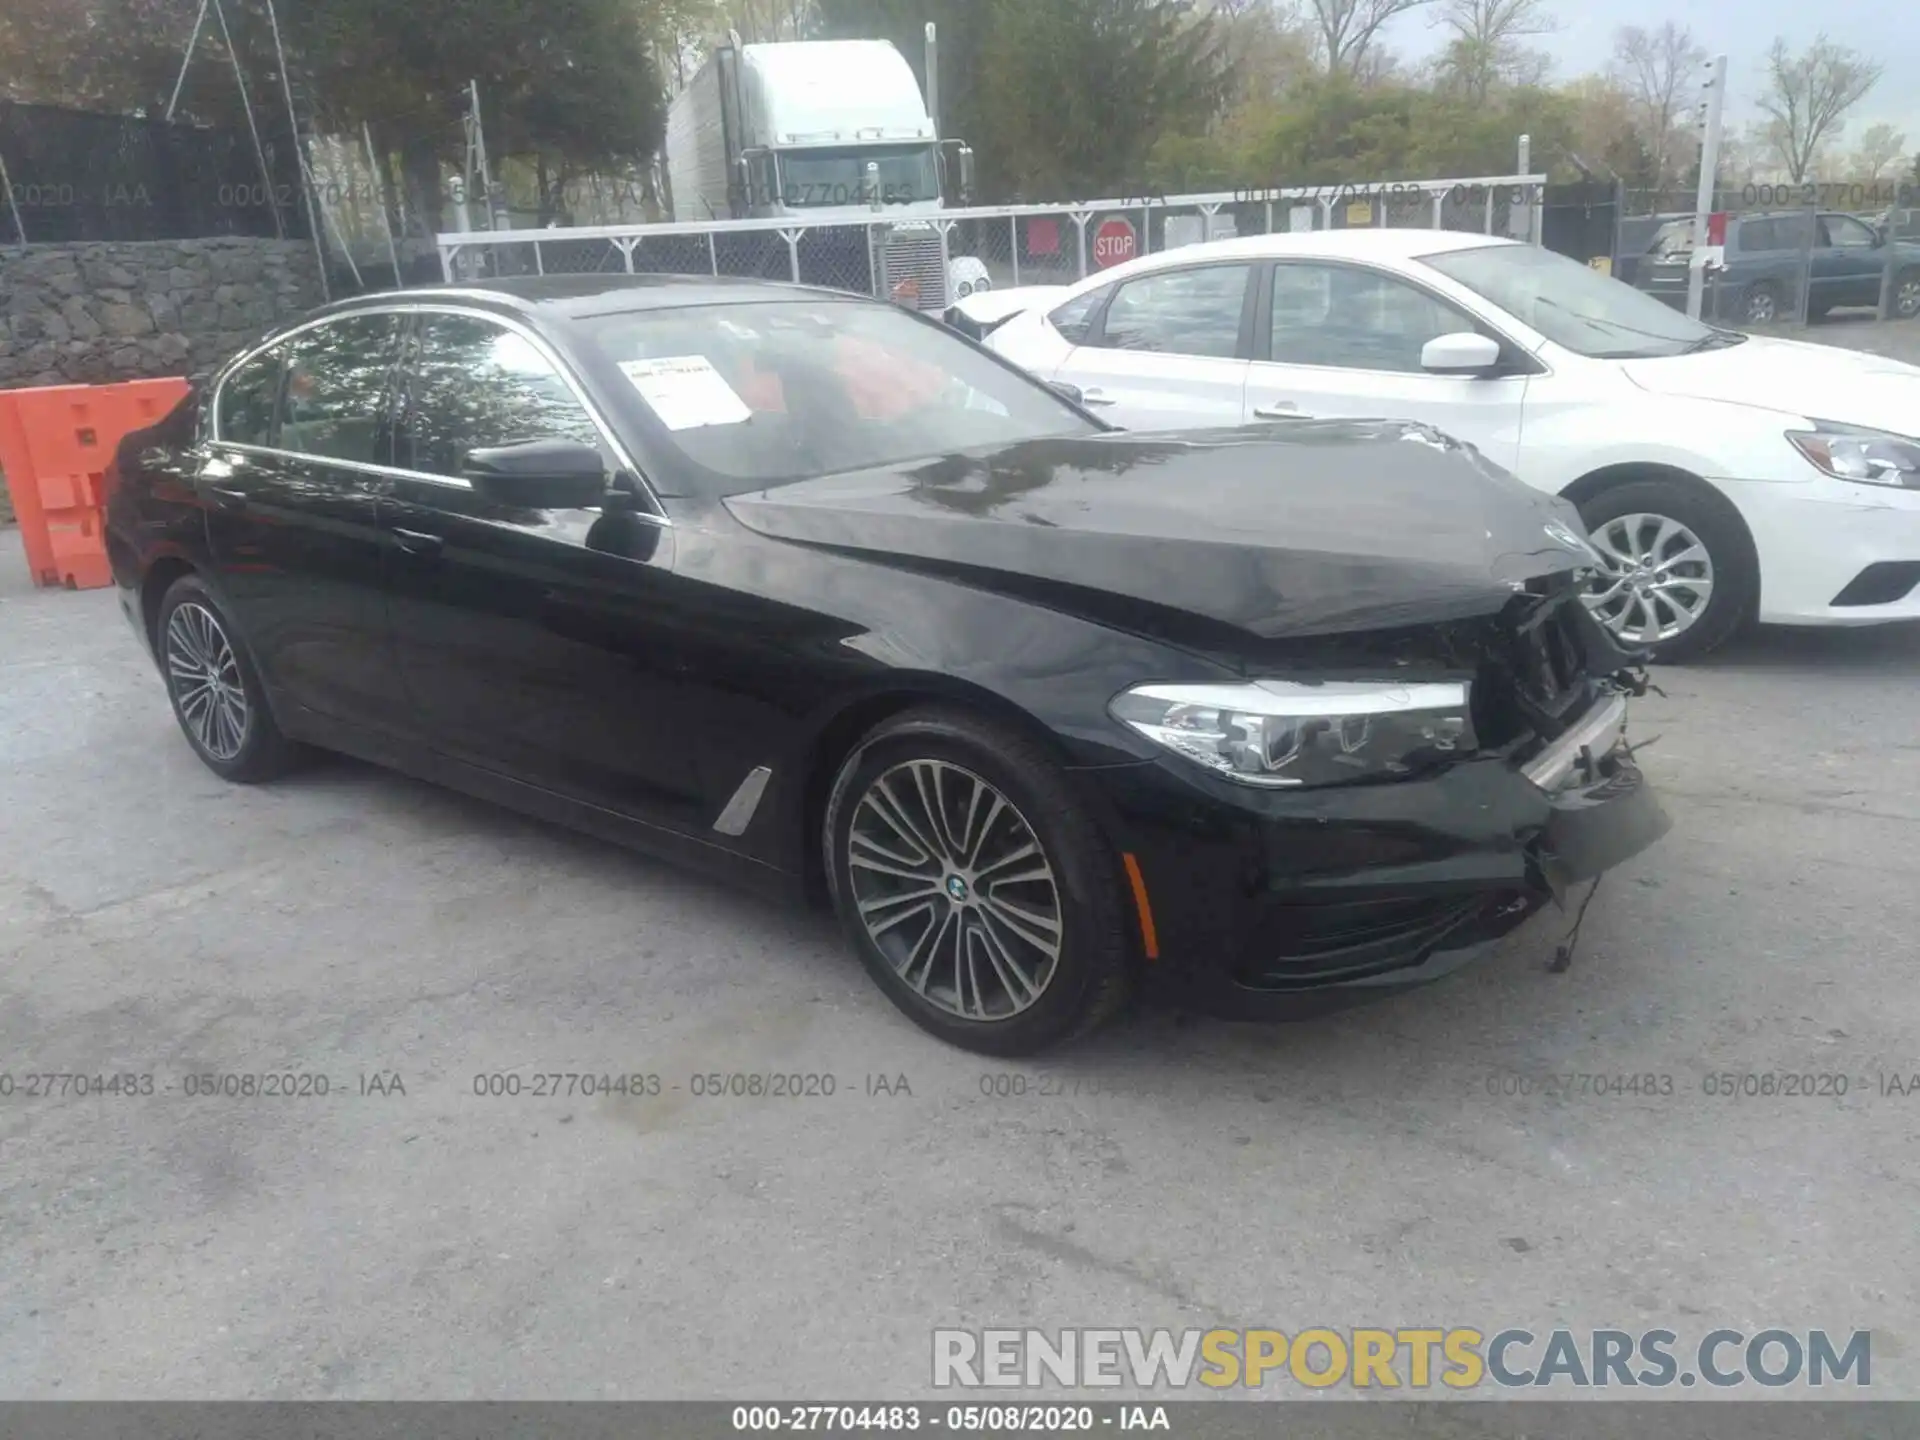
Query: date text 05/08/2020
[962, 1419]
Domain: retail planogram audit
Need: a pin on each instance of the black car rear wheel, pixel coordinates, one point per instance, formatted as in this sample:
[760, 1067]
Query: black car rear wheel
[977, 891]
[216, 693]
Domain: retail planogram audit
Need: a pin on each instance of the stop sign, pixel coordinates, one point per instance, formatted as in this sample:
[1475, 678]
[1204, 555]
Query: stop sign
[1112, 243]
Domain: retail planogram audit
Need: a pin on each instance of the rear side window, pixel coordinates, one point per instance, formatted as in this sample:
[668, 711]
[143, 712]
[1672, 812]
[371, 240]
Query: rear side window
[473, 383]
[247, 399]
[1075, 318]
[333, 392]
[1757, 235]
[1180, 312]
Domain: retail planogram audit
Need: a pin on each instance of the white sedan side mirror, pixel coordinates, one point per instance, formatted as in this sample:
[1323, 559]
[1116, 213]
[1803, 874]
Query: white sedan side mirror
[1462, 353]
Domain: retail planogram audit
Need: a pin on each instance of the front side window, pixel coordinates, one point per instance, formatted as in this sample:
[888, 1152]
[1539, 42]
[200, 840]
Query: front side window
[1354, 319]
[1074, 319]
[1180, 312]
[333, 393]
[247, 399]
[759, 394]
[472, 383]
[1572, 305]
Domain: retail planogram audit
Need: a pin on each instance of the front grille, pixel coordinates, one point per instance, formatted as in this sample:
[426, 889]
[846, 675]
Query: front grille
[1551, 672]
[1532, 679]
[920, 257]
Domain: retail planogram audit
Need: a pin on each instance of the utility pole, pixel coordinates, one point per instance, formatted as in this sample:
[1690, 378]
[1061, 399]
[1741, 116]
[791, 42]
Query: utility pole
[1712, 103]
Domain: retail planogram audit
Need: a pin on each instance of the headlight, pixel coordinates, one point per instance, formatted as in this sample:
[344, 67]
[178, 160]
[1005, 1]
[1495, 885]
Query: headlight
[1871, 457]
[1282, 733]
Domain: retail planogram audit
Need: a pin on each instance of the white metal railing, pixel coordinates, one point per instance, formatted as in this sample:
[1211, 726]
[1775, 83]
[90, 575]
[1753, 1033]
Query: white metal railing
[989, 247]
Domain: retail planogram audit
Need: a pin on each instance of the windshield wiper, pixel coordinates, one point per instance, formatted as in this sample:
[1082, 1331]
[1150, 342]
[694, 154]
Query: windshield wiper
[1715, 340]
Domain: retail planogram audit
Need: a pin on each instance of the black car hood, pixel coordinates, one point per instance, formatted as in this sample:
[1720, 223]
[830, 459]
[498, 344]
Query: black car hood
[1297, 528]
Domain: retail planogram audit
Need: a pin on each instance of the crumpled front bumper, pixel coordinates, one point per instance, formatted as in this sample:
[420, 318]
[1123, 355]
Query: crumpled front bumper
[1289, 905]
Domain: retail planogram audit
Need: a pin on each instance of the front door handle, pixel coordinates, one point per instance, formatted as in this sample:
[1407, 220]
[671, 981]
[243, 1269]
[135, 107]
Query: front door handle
[1278, 410]
[228, 498]
[417, 542]
[1095, 397]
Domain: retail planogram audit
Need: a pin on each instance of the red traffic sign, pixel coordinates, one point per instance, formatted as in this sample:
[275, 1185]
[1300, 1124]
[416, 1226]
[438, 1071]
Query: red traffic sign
[1113, 243]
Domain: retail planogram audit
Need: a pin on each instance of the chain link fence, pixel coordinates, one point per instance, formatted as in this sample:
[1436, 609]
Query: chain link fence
[928, 261]
[1783, 256]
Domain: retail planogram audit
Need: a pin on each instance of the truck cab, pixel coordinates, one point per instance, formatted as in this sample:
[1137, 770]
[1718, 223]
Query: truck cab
[832, 132]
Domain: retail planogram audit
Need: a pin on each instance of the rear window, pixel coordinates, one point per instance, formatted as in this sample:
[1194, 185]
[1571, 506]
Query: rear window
[762, 394]
[1673, 238]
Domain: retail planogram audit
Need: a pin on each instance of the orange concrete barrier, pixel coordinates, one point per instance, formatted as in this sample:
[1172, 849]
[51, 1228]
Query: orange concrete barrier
[56, 442]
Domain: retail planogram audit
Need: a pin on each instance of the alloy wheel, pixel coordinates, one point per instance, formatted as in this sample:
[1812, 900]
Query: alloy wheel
[1656, 581]
[954, 888]
[204, 675]
[1760, 307]
[1906, 299]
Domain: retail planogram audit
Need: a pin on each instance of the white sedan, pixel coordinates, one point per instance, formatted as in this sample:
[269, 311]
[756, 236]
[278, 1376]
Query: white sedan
[1723, 477]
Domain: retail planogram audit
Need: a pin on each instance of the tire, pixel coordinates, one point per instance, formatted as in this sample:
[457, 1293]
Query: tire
[195, 639]
[1762, 303]
[1906, 294]
[911, 943]
[1733, 595]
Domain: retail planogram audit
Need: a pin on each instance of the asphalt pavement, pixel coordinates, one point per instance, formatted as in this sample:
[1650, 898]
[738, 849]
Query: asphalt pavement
[1434, 1160]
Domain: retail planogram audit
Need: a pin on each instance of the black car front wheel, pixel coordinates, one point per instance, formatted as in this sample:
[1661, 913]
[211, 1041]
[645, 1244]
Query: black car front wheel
[977, 891]
[216, 693]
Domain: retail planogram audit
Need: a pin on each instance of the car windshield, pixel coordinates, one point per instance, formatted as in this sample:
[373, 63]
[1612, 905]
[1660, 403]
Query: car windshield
[754, 395]
[1572, 305]
[1673, 238]
[810, 178]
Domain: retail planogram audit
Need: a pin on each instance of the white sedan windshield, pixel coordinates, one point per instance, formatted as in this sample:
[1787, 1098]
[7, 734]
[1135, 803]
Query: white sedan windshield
[1581, 309]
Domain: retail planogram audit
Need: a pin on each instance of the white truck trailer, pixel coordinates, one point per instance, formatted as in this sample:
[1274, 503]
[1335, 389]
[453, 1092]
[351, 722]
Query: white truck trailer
[832, 132]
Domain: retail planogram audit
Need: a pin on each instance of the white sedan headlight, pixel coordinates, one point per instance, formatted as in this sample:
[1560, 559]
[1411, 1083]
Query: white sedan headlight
[1870, 457]
[1280, 733]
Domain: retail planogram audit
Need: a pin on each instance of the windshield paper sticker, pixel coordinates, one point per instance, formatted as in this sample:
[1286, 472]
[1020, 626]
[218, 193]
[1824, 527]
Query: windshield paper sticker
[686, 392]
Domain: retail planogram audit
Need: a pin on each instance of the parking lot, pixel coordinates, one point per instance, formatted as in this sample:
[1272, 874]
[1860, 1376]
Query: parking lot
[1511, 1147]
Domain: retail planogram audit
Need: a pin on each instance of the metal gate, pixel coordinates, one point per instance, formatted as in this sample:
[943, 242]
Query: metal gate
[929, 261]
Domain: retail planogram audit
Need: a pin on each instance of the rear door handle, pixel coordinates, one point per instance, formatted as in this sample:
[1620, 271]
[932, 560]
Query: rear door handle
[417, 542]
[1095, 397]
[1278, 410]
[228, 498]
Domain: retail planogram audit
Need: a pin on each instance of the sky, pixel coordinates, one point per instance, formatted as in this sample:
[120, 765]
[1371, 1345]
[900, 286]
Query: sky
[1884, 30]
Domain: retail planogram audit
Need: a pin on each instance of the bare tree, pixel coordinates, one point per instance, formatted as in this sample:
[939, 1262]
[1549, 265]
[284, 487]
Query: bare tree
[1487, 47]
[1808, 96]
[1347, 29]
[1659, 69]
[1879, 147]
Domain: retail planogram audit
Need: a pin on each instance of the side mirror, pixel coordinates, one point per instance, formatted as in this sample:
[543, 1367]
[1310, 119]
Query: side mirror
[1462, 353]
[538, 475]
[1072, 392]
[966, 174]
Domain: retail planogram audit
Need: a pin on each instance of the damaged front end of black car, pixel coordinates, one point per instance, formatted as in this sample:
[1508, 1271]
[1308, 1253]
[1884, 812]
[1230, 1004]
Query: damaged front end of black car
[1297, 901]
[1383, 729]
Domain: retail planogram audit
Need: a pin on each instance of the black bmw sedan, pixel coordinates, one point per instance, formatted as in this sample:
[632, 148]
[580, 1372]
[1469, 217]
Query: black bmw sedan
[810, 590]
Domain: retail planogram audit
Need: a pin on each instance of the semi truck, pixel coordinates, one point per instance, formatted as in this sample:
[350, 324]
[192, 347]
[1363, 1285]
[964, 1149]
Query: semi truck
[832, 131]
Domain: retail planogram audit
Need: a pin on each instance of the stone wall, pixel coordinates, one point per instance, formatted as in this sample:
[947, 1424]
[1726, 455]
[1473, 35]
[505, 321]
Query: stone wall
[124, 310]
